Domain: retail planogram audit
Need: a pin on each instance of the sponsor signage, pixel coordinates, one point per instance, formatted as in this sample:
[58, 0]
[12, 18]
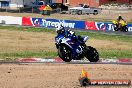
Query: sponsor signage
[129, 27]
[98, 26]
[90, 25]
[105, 26]
[52, 23]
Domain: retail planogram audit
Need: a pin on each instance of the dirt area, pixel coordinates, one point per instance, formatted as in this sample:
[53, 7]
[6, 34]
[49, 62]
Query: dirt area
[106, 15]
[59, 75]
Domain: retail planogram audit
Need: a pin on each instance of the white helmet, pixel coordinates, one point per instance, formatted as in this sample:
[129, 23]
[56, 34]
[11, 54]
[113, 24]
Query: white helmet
[59, 28]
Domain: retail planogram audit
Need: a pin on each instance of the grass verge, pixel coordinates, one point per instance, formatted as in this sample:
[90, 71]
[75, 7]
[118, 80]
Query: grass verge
[115, 54]
[28, 54]
[104, 53]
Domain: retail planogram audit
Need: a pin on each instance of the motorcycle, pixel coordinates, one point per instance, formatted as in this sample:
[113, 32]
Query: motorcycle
[122, 26]
[69, 49]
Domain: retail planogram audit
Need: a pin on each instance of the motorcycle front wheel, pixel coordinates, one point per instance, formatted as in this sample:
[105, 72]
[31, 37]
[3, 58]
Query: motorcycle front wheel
[65, 53]
[116, 28]
[91, 54]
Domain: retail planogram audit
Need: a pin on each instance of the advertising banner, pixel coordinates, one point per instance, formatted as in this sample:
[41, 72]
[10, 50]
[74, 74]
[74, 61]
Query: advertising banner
[129, 27]
[27, 21]
[90, 25]
[98, 26]
[52, 23]
[105, 26]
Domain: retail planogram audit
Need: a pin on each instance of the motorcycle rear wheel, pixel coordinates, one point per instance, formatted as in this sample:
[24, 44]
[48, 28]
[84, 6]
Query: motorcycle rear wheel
[125, 29]
[91, 54]
[65, 53]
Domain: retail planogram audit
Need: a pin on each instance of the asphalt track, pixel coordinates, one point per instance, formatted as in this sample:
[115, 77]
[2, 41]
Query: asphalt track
[12, 62]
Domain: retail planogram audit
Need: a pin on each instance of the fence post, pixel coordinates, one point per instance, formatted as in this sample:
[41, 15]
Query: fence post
[32, 9]
[6, 9]
[19, 9]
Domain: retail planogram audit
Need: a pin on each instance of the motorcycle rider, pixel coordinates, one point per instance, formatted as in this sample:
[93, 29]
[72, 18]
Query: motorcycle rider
[68, 33]
[119, 20]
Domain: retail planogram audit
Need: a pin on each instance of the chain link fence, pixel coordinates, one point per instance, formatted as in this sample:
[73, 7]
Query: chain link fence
[105, 15]
[31, 9]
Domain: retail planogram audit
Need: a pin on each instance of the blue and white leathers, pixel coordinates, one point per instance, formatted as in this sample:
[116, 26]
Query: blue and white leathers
[75, 46]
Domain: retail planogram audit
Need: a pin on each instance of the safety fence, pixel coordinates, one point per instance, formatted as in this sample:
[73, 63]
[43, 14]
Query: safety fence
[31, 9]
[53, 23]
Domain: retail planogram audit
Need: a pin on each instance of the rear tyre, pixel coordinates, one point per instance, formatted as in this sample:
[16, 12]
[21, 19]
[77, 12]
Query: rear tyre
[79, 12]
[91, 54]
[87, 13]
[95, 13]
[65, 54]
[125, 29]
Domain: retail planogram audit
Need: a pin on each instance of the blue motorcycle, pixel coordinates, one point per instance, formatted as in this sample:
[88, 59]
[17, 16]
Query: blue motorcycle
[68, 49]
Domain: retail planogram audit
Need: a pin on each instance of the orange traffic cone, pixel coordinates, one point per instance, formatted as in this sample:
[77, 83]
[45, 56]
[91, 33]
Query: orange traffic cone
[84, 74]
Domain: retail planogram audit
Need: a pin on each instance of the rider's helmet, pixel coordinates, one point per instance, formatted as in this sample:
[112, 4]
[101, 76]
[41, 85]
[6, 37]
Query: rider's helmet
[119, 17]
[59, 29]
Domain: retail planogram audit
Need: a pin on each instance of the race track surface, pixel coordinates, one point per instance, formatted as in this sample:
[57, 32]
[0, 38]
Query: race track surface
[59, 75]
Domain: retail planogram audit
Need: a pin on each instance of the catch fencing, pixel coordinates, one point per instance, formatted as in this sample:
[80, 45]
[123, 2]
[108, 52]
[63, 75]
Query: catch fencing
[35, 9]
[31, 9]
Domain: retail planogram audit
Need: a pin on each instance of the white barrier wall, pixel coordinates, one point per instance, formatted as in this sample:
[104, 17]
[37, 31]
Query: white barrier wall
[10, 20]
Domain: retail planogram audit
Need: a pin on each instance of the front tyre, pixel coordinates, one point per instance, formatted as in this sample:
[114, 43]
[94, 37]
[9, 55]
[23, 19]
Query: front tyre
[91, 54]
[65, 53]
[116, 28]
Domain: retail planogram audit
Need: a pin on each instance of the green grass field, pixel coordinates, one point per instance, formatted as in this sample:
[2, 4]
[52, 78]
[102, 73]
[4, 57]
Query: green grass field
[20, 42]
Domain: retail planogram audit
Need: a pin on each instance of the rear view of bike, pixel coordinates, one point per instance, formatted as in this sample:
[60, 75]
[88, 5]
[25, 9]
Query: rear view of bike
[120, 26]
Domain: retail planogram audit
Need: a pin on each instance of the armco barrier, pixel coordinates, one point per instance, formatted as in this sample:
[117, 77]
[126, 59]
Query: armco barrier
[10, 20]
[52, 23]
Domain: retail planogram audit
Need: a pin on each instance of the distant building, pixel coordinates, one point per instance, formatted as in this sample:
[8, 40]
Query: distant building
[93, 3]
[115, 1]
[15, 3]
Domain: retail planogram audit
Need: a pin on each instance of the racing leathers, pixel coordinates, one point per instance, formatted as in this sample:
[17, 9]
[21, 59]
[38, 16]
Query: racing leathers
[69, 33]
